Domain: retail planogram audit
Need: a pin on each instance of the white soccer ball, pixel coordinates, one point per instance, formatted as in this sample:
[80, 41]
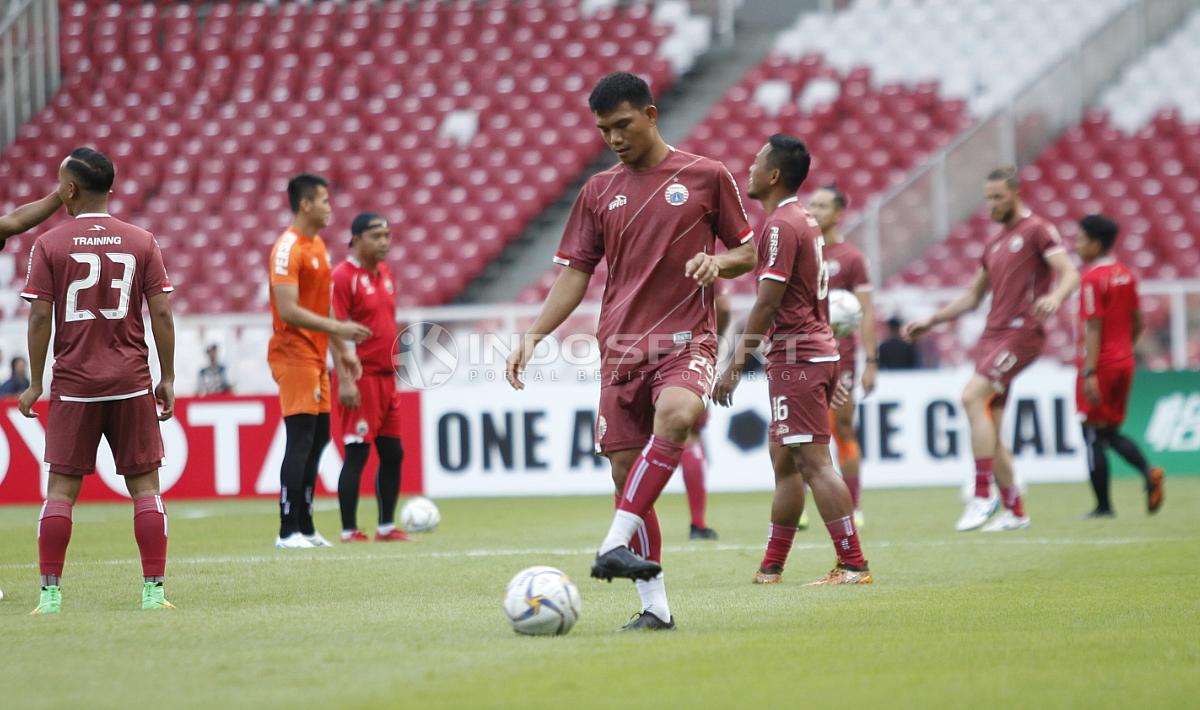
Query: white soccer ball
[845, 312]
[419, 515]
[541, 601]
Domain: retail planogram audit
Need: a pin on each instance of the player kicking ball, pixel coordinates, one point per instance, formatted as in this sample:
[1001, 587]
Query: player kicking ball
[1019, 265]
[1110, 325]
[656, 217]
[792, 310]
[90, 277]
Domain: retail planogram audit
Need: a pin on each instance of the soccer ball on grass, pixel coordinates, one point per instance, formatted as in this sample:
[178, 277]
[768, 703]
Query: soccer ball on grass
[419, 515]
[541, 601]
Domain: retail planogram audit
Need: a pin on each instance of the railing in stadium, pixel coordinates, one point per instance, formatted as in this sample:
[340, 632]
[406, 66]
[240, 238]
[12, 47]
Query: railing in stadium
[29, 69]
[947, 190]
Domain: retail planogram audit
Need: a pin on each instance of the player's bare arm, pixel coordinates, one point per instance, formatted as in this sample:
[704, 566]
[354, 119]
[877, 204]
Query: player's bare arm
[565, 296]
[28, 216]
[706, 268]
[724, 311]
[162, 324]
[867, 330]
[762, 315]
[1068, 281]
[287, 301]
[41, 316]
[1093, 330]
[968, 301]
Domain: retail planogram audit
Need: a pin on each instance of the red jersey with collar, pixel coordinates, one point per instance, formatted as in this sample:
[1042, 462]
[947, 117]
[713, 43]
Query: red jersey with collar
[1108, 292]
[368, 297]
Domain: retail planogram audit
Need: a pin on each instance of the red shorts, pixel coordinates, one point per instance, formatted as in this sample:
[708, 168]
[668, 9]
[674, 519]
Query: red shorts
[800, 394]
[1115, 383]
[1004, 354]
[626, 417]
[378, 412]
[73, 431]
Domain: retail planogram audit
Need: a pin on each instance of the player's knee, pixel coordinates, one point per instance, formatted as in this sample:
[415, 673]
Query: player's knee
[676, 422]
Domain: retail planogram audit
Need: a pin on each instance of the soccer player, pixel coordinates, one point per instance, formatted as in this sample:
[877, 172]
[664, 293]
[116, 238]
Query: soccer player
[656, 217]
[1019, 265]
[802, 365]
[694, 461]
[303, 326]
[848, 270]
[369, 409]
[28, 216]
[89, 278]
[1110, 325]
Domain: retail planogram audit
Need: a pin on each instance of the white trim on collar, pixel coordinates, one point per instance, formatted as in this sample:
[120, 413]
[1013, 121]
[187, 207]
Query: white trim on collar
[1106, 260]
[788, 201]
[91, 215]
[354, 261]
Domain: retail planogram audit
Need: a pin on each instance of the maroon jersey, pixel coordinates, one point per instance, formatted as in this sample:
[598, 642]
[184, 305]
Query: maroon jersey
[96, 271]
[1016, 264]
[369, 298]
[791, 252]
[648, 224]
[1109, 292]
[848, 271]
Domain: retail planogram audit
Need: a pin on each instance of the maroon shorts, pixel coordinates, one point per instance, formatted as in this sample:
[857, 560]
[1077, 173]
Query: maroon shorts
[1114, 381]
[378, 412]
[1004, 354]
[800, 395]
[73, 431]
[848, 364]
[626, 417]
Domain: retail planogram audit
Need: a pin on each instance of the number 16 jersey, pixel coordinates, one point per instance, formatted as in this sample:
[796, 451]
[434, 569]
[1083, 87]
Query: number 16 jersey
[791, 251]
[97, 271]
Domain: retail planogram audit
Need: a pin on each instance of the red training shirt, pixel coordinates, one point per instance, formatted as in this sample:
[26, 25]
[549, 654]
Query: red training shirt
[1016, 264]
[368, 297]
[1108, 291]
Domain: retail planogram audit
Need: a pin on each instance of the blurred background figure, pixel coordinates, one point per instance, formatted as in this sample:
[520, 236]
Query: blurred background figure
[213, 377]
[895, 353]
[18, 380]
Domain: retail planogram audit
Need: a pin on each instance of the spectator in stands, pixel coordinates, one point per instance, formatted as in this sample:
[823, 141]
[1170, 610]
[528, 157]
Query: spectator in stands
[895, 353]
[213, 378]
[18, 381]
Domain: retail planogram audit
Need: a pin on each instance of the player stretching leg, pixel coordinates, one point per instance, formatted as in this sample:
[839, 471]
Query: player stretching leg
[695, 459]
[656, 217]
[1018, 265]
[369, 409]
[802, 364]
[303, 327]
[90, 277]
[848, 270]
[1110, 324]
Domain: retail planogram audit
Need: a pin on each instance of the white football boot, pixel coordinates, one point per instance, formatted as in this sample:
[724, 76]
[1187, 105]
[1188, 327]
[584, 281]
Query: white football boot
[977, 512]
[295, 541]
[317, 540]
[1007, 521]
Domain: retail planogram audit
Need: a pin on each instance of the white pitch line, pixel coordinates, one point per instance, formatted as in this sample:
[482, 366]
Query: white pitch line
[289, 556]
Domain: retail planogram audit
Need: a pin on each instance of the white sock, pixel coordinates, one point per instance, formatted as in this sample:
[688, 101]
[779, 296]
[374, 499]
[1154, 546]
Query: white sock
[385, 529]
[654, 597]
[624, 525]
[347, 534]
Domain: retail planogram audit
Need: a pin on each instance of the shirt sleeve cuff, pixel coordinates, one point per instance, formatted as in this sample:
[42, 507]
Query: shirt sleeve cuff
[36, 296]
[773, 276]
[746, 235]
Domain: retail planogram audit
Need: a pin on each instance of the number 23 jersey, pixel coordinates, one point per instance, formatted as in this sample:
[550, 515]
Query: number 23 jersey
[790, 251]
[97, 271]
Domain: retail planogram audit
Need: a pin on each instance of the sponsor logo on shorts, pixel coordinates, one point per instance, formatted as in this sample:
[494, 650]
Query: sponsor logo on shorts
[601, 427]
[683, 336]
[362, 428]
[781, 429]
[317, 393]
[676, 194]
[618, 201]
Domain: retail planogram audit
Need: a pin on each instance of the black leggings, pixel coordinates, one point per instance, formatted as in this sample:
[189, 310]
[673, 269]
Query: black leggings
[387, 480]
[307, 435]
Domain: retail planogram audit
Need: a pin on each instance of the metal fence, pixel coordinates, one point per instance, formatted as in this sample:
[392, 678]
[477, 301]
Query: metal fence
[29, 69]
[920, 212]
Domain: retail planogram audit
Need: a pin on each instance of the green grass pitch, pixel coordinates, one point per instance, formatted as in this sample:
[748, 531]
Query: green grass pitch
[1068, 613]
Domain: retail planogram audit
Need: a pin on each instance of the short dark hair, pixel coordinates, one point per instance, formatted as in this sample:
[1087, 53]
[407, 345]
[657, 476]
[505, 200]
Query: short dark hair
[839, 198]
[1007, 173]
[1098, 228]
[790, 157]
[617, 88]
[93, 171]
[304, 187]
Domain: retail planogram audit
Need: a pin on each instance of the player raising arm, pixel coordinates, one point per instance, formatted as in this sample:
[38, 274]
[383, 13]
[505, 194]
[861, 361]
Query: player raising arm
[802, 365]
[1110, 325]
[90, 277]
[28, 216]
[656, 217]
[1019, 265]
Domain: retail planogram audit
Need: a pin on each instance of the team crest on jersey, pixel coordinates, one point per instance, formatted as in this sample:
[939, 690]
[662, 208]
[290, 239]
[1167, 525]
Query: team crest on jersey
[366, 284]
[387, 286]
[834, 267]
[676, 194]
[1016, 243]
[618, 201]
